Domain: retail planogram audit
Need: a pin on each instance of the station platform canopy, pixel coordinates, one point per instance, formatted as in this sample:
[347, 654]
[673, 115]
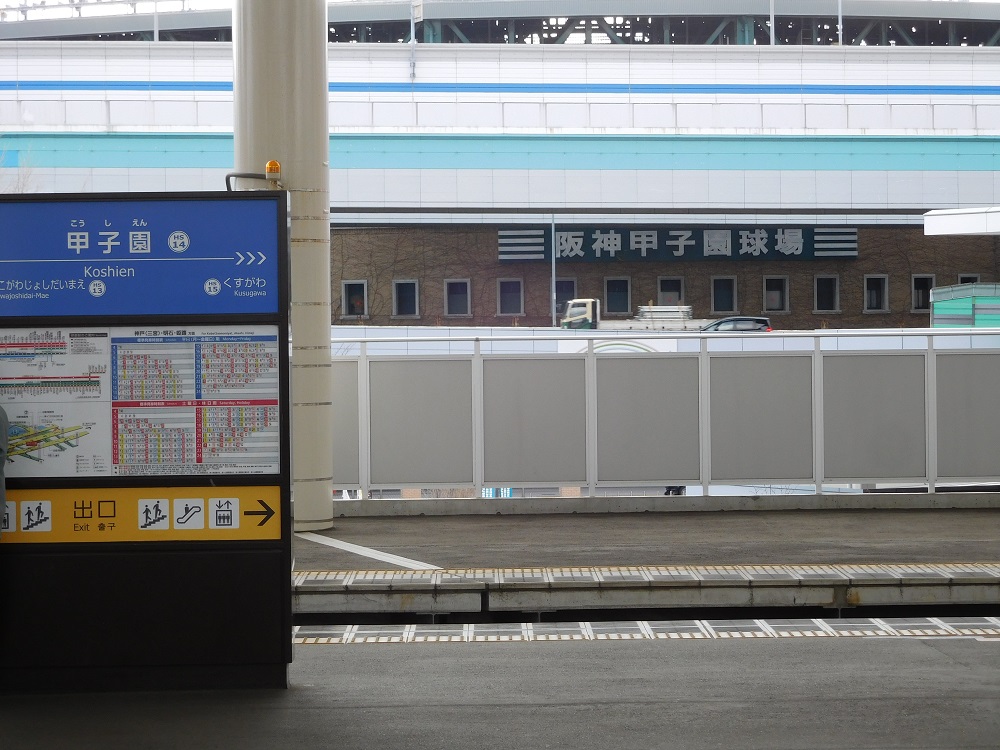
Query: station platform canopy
[962, 221]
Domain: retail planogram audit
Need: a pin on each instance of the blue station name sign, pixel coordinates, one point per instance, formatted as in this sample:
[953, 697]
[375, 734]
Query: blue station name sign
[138, 254]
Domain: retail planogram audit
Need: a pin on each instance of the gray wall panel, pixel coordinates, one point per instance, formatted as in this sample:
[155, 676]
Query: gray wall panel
[761, 418]
[968, 415]
[421, 422]
[874, 416]
[345, 433]
[647, 419]
[534, 421]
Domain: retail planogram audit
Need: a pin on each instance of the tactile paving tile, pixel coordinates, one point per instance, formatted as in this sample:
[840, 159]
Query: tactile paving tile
[501, 632]
[920, 626]
[441, 633]
[964, 573]
[573, 575]
[474, 575]
[859, 627]
[624, 575]
[813, 572]
[619, 631]
[680, 629]
[973, 626]
[322, 576]
[560, 632]
[867, 572]
[736, 629]
[918, 571]
[720, 573]
[668, 573]
[769, 573]
[798, 629]
[393, 576]
[523, 575]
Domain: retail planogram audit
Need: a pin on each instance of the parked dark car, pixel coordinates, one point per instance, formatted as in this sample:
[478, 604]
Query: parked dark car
[739, 323]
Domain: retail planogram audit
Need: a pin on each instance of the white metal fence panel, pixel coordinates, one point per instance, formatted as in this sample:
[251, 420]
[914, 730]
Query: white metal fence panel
[421, 422]
[647, 420]
[761, 410]
[587, 410]
[875, 416]
[534, 422]
[968, 414]
[347, 424]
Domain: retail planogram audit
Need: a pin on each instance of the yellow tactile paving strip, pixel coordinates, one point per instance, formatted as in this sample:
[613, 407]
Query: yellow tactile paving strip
[985, 628]
[751, 574]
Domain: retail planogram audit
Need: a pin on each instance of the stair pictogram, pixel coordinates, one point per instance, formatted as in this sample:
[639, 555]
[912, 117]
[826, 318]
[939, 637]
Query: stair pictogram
[35, 516]
[152, 515]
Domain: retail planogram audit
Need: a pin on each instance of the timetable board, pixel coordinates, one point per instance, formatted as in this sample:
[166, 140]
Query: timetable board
[141, 401]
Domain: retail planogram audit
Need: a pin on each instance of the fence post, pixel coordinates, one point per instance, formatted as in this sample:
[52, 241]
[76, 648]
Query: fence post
[705, 415]
[819, 444]
[930, 410]
[590, 389]
[478, 438]
[364, 423]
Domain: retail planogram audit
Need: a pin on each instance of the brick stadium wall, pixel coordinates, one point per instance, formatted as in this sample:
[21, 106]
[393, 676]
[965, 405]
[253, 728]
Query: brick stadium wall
[431, 254]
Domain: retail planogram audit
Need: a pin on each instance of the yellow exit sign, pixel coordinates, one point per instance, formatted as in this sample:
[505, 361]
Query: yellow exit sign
[143, 514]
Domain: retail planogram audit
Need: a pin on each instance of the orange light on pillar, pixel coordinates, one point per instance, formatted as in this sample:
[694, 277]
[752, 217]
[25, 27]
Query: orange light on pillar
[272, 170]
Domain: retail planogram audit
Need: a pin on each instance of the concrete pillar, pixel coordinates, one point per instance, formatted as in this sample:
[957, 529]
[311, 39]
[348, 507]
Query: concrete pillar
[281, 93]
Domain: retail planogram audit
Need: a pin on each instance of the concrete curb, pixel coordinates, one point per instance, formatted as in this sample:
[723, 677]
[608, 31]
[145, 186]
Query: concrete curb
[645, 587]
[655, 504]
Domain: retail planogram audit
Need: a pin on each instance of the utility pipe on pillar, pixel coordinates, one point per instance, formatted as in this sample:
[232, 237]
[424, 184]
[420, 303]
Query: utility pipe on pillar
[281, 96]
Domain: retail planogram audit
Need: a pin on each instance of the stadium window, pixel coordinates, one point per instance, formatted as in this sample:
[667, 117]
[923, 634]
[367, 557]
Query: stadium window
[671, 291]
[354, 298]
[510, 297]
[723, 295]
[776, 294]
[456, 298]
[405, 299]
[968, 278]
[826, 294]
[920, 292]
[617, 296]
[876, 294]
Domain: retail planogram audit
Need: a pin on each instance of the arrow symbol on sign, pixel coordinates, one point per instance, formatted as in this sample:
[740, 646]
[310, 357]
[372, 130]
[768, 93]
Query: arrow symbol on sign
[262, 256]
[267, 512]
[241, 257]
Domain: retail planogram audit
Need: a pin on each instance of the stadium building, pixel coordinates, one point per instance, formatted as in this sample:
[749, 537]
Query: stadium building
[672, 159]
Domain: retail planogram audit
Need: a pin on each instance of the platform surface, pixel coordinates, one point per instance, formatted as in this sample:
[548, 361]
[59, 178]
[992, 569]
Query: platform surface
[804, 537]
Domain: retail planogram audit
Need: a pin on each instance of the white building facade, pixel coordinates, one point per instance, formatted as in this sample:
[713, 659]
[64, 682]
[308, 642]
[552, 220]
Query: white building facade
[506, 135]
